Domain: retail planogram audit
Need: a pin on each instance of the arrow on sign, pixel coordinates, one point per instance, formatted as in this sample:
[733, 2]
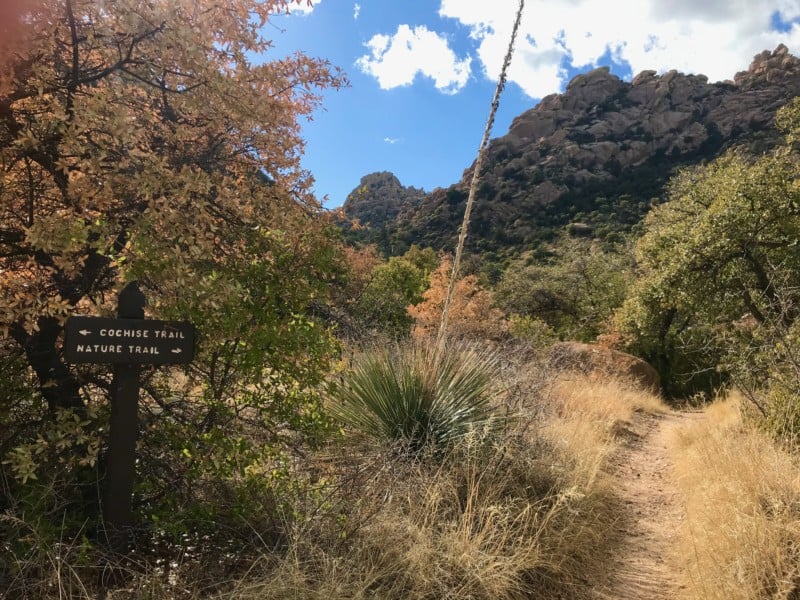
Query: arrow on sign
[126, 341]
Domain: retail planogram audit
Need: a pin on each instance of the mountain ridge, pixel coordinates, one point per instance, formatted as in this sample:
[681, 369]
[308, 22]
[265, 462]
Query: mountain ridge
[596, 157]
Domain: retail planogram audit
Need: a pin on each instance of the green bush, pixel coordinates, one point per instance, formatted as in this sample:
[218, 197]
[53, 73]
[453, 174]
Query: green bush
[575, 291]
[411, 395]
[765, 362]
[532, 330]
[783, 420]
[394, 285]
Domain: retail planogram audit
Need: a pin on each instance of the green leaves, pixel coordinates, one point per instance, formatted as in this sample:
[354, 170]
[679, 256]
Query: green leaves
[142, 143]
[574, 292]
[722, 247]
[394, 286]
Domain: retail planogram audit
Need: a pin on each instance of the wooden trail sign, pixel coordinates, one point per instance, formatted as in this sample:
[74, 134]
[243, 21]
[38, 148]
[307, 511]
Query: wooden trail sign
[140, 341]
[126, 342]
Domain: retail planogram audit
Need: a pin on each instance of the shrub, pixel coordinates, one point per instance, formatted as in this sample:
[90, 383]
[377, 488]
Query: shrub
[411, 395]
[473, 315]
[575, 291]
[532, 330]
[381, 305]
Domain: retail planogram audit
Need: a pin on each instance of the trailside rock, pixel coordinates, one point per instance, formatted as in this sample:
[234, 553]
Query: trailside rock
[591, 358]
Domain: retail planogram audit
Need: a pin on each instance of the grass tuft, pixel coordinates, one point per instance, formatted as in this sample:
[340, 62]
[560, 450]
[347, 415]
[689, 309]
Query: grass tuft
[415, 397]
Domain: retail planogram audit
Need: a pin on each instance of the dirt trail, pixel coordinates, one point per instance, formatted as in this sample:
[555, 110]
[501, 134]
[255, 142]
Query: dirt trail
[652, 511]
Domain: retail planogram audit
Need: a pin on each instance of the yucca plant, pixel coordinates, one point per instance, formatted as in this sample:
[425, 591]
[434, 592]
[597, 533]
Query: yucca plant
[417, 398]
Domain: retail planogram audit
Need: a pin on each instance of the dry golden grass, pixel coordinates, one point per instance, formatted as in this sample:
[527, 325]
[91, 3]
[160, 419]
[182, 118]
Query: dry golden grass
[741, 535]
[589, 397]
[592, 411]
[529, 517]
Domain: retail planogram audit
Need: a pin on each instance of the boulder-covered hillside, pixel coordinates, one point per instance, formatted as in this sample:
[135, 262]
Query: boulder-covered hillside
[594, 158]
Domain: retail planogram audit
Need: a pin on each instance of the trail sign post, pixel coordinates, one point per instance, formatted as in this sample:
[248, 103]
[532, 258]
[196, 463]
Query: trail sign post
[121, 341]
[126, 342]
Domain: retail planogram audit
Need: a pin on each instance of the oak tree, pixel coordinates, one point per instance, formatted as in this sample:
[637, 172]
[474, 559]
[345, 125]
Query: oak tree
[575, 291]
[722, 252]
[159, 141]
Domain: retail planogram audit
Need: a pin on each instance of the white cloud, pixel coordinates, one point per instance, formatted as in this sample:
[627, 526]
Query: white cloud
[390, 140]
[713, 37]
[356, 10]
[302, 6]
[396, 60]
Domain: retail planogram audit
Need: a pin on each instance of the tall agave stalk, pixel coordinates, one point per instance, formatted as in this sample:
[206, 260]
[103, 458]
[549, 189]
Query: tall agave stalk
[462, 236]
[421, 397]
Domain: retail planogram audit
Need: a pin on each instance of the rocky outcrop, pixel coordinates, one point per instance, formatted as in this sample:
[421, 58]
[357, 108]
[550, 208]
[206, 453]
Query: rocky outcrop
[671, 111]
[599, 153]
[590, 358]
[380, 197]
[372, 209]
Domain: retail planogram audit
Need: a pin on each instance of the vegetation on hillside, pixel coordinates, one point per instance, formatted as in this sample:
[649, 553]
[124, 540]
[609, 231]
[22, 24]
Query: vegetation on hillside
[317, 447]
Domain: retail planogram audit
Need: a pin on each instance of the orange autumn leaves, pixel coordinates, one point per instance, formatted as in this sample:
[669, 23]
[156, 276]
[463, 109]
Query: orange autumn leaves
[472, 312]
[142, 142]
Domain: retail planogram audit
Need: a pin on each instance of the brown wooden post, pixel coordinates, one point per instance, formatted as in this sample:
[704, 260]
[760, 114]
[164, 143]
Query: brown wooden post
[127, 342]
[123, 430]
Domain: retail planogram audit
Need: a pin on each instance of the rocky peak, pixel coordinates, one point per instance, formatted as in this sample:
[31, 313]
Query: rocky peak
[770, 68]
[601, 152]
[591, 89]
[379, 197]
[673, 112]
[385, 181]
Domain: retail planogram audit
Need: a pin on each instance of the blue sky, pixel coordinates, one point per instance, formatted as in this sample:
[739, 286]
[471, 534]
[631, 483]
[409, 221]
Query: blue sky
[423, 72]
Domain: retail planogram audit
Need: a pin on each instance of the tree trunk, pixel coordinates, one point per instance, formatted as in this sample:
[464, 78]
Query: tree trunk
[57, 383]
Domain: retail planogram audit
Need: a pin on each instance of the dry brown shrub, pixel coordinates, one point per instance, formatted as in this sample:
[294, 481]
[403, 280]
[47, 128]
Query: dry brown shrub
[472, 312]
